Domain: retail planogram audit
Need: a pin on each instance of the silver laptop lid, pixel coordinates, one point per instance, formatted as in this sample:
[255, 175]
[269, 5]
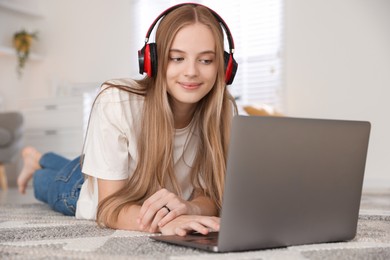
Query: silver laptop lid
[292, 181]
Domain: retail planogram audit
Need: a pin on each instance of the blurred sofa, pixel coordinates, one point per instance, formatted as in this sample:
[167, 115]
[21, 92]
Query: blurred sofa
[11, 132]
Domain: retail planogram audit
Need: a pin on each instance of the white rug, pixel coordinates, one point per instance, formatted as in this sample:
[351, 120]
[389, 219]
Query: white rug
[33, 231]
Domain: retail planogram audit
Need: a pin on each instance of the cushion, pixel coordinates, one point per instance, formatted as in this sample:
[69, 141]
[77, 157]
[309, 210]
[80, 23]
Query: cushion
[261, 111]
[5, 137]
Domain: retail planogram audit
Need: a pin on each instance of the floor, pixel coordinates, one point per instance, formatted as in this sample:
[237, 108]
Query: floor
[13, 196]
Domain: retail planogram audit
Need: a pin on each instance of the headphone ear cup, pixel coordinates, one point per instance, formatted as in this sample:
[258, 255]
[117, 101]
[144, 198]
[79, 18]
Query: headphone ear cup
[141, 60]
[231, 67]
[153, 59]
[147, 60]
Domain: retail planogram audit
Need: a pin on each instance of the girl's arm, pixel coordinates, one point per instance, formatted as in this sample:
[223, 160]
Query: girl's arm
[127, 218]
[185, 217]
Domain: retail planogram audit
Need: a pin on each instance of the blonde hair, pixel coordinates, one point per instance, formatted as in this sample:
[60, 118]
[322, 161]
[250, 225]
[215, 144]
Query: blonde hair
[212, 120]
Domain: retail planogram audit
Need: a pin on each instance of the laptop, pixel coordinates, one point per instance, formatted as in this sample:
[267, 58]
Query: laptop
[289, 181]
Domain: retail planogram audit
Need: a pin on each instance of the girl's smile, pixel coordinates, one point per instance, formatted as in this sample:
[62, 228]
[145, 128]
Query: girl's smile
[190, 85]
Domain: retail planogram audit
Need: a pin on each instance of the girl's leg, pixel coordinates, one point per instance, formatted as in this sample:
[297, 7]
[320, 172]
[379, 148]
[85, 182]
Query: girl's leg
[60, 189]
[42, 180]
[33, 160]
[53, 161]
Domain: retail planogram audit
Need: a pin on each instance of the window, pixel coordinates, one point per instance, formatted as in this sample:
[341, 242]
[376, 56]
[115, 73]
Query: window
[257, 29]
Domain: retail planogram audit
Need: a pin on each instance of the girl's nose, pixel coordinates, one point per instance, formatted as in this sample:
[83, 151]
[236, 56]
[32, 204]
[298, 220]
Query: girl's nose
[191, 69]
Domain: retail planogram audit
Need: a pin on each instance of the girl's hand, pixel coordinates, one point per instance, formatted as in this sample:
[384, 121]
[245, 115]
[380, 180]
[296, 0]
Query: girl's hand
[161, 208]
[185, 224]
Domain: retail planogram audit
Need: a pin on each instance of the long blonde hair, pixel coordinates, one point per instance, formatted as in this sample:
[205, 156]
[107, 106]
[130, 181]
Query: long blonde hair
[212, 120]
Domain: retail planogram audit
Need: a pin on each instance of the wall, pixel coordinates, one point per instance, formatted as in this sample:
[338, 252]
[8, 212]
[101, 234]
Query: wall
[80, 41]
[338, 66]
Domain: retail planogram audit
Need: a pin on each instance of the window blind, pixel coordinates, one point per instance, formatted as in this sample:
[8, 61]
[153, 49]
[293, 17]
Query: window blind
[257, 29]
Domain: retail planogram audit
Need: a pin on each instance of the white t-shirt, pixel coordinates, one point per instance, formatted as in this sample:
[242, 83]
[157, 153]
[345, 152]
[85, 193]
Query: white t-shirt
[111, 146]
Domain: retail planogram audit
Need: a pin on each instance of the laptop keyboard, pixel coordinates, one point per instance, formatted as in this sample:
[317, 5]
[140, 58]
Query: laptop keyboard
[210, 239]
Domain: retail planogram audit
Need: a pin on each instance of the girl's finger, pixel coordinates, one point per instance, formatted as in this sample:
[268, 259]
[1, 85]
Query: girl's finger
[150, 207]
[151, 213]
[148, 202]
[191, 226]
[171, 216]
[210, 222]
[163, 212]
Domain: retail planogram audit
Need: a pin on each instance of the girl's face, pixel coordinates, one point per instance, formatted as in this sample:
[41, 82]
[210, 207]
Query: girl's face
[192, 67]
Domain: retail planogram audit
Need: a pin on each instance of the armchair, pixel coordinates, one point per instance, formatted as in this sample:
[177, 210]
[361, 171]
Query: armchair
[11, 124]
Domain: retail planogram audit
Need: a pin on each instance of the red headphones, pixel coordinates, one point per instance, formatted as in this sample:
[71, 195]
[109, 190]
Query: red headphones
[147, 56]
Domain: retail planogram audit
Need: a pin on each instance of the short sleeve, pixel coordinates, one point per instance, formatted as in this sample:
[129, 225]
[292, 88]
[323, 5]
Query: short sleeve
[106, 154]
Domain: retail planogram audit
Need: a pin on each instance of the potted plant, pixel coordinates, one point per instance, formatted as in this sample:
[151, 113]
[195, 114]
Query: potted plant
[22, 43]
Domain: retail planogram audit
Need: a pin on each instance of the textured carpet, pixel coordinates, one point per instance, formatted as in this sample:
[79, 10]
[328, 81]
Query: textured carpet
[33, 231]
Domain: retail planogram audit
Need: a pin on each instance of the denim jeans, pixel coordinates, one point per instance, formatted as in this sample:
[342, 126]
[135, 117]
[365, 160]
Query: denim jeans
[58, 183]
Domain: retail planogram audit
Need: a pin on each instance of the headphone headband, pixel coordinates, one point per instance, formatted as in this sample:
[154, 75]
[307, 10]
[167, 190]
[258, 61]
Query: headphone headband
[216, 15]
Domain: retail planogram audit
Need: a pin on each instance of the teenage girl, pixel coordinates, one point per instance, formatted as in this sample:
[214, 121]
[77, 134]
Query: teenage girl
[156, 149]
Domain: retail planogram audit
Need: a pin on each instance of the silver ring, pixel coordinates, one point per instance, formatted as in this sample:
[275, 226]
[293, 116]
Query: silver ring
[166, 208]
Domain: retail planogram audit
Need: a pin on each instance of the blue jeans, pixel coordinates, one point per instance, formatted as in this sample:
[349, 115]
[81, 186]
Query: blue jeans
[58, 183]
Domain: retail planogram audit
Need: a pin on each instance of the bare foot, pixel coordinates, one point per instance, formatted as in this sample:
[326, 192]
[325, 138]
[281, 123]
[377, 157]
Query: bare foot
[31, 158]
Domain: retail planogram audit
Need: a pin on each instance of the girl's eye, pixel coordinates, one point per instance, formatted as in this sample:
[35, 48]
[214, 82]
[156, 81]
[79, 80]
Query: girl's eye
[206, 62]
[176, 59]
